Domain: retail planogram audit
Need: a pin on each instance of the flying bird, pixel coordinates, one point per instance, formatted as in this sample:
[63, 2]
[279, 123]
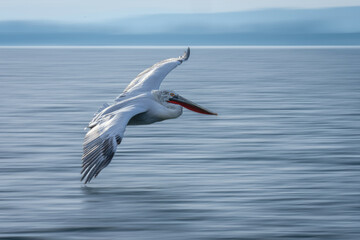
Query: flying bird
[140, 103]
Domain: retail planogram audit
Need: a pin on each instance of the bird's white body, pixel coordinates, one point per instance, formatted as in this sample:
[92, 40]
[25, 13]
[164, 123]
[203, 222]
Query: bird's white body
[140, 103]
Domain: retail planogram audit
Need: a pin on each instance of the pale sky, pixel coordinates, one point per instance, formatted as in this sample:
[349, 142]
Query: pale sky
[102, 10]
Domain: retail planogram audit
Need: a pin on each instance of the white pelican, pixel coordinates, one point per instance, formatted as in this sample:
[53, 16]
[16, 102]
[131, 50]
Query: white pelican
[141, 103]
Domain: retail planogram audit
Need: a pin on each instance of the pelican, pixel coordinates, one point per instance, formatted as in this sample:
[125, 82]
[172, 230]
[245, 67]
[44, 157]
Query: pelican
[140, 103]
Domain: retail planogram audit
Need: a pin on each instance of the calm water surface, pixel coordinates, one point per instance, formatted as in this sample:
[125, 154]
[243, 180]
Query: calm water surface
[281, 161]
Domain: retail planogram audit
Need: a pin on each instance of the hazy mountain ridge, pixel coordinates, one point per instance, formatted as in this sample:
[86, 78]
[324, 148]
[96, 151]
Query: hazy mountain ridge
[281, 26]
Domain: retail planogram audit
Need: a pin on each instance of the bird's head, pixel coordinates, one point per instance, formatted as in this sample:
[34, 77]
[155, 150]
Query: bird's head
[172, 97]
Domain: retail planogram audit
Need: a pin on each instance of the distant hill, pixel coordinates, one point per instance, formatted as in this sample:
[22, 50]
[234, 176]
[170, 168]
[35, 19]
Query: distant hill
[330, 26]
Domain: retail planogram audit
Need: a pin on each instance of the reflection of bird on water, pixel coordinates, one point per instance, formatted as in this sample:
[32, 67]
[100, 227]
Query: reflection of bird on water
[141, 103]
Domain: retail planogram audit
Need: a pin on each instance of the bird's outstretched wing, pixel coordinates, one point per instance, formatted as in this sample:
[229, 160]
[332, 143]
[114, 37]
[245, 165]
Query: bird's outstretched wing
[101, 141]
[151, 78]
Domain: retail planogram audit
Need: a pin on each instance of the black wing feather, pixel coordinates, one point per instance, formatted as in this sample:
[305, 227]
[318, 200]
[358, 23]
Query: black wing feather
[98, 153]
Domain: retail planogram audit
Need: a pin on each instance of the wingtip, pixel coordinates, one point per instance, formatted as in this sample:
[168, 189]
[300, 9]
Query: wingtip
[187, 54]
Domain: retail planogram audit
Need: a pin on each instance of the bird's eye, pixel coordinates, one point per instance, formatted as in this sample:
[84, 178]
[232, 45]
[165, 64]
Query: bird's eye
[172, 94]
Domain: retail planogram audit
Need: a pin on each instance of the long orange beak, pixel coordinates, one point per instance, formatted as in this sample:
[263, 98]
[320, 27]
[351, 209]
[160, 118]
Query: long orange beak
[190, 105]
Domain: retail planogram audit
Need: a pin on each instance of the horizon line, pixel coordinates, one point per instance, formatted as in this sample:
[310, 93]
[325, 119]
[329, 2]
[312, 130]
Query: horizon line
[176, 46]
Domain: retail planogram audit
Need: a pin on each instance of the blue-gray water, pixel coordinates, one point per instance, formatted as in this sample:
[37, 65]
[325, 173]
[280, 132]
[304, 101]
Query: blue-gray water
[281, 161]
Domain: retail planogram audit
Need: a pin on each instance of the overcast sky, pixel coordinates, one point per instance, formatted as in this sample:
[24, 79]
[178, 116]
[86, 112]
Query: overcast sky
[100, 10]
